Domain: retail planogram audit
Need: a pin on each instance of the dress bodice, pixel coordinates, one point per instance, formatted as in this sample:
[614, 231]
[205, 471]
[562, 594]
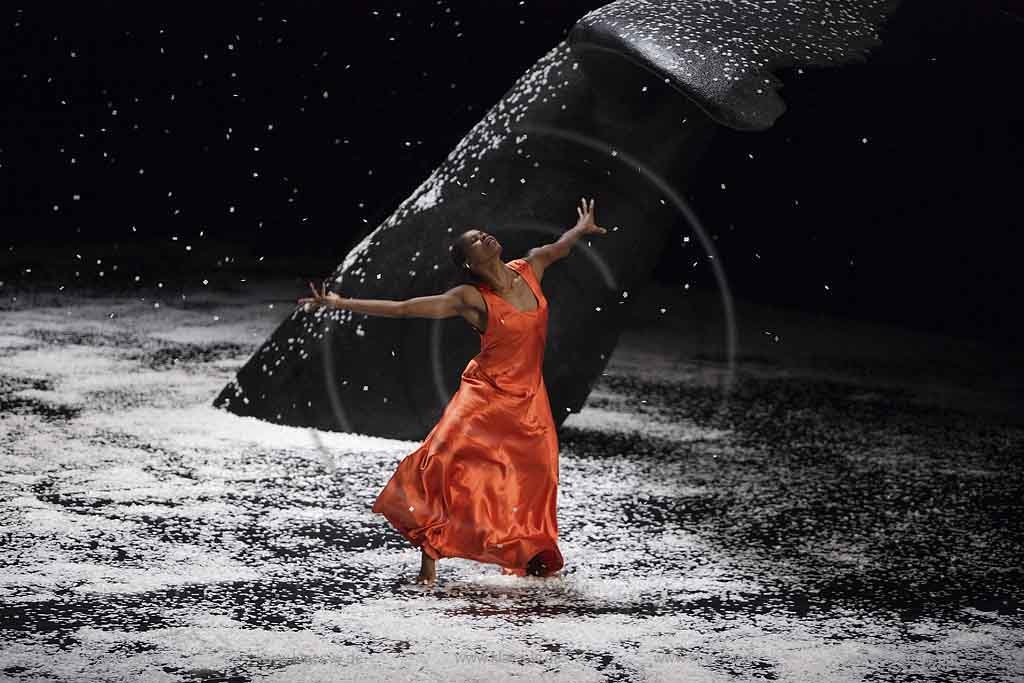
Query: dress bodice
[512, 345]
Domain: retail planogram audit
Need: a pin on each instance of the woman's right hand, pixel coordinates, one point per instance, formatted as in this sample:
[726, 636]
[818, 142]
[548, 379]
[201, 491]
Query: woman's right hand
[331, 300]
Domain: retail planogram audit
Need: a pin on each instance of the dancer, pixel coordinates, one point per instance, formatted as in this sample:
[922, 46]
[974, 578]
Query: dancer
[483, 485]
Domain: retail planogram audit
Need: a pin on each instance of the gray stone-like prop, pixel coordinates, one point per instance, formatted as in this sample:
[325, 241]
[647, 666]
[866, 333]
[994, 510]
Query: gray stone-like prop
[622, 111]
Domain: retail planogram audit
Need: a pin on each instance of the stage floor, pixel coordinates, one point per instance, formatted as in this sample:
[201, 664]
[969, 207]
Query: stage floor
[849, 510]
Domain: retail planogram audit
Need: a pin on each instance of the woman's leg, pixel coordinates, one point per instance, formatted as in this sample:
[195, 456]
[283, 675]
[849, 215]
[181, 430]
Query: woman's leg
[428, 568]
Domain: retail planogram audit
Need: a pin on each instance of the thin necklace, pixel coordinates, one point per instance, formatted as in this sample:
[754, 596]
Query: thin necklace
[514, 278]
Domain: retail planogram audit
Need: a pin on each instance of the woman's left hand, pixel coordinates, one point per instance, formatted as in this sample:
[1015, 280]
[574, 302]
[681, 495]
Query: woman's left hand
[586, 220]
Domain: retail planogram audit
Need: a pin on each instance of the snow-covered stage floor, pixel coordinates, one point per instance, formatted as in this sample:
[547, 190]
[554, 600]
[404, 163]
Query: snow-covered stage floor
[821, 526]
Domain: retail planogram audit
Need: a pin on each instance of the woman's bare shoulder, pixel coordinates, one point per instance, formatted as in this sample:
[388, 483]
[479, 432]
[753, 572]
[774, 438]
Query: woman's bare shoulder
[469, 294]
[474, 307]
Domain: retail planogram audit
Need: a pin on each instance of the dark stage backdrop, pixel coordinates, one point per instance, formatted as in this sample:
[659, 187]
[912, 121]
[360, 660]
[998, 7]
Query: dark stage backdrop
[144, 141]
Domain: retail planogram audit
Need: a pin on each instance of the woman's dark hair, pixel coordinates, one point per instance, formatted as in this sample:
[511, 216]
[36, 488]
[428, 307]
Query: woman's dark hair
[463, 275]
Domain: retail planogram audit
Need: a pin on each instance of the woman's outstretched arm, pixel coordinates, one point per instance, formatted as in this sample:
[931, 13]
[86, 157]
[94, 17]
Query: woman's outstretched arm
[542, 257]
[385, 307]
[389, 308]
[446, 305]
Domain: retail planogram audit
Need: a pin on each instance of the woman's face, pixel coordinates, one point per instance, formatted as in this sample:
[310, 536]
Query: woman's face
[481, 246]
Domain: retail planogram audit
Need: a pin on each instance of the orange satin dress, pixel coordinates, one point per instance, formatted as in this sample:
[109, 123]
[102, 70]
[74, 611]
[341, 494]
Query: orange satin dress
[483, 485]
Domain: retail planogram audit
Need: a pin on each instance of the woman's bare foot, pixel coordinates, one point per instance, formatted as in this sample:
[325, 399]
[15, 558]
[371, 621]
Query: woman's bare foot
[428, 569]
[536, 566]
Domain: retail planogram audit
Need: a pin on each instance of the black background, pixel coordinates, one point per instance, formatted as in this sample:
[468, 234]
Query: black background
[918, 225]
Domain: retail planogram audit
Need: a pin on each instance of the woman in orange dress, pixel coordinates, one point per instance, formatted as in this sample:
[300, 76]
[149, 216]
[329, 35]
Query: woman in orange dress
[483, 485]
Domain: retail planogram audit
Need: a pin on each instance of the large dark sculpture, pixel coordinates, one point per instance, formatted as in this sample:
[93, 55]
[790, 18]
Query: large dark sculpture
[621, 111]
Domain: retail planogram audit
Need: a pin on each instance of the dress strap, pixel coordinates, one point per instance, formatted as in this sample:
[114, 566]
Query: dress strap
[524, 268]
